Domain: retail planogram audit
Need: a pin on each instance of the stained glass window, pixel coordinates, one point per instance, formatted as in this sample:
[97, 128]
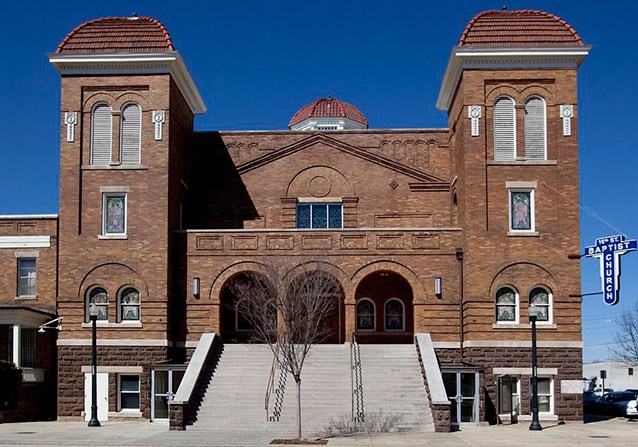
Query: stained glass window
[540, 298]
[130, 305]
[115, 214]
[303, 216]
[319, 215]
[394, 315]
[365, 315]
[99, 296]
[505, 305]
[521, 212]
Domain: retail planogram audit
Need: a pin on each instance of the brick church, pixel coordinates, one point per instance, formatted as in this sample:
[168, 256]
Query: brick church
[443, 236]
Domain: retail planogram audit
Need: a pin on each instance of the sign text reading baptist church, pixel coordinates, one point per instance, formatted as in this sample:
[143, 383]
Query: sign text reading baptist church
[609, 249]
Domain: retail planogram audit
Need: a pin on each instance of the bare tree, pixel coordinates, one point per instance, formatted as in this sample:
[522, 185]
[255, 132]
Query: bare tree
[626, 337]
[288, 311]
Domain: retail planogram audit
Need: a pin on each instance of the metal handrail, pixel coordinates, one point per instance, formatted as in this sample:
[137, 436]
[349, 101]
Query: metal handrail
[271, 380]
[353, 340]
[356, 380]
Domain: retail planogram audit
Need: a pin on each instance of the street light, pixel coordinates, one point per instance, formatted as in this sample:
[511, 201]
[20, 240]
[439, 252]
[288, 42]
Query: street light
[93, 313]
[532, 312]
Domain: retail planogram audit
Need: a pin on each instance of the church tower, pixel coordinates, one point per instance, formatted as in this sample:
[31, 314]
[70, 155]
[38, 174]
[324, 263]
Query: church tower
[127, 109]
[510, 90]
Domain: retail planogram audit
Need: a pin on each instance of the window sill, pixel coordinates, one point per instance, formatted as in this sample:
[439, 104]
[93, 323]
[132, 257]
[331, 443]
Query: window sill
[27, 297]
[523, 233]
[112, 167]
[125, 414]
[521, 162]
[112, 236]
[122, 325]
[539, 326]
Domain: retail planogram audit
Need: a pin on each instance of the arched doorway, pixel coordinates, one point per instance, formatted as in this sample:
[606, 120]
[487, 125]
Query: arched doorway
[236, 326]
[321, 294]
[312, 289]
[383, 309]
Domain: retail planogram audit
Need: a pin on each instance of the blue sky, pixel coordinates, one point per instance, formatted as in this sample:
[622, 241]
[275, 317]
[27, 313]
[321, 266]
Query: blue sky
[257, 62]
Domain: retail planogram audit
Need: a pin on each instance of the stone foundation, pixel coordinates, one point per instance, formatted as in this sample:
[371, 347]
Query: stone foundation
[71, 359]
[566, 361]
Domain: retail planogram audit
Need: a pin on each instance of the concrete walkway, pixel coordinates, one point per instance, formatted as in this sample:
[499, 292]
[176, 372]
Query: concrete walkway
[617, 432]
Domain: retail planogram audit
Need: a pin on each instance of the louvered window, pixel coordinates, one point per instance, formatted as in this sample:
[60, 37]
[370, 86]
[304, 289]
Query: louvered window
[101, 135]
[535, 134]
[504, 129]
[130, 134]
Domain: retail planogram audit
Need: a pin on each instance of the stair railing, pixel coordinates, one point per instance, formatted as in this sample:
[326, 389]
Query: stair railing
[356, 379]
[270, 388]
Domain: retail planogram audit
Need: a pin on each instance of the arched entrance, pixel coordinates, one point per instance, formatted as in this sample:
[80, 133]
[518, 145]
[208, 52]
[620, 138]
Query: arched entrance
[322, 293]
[383, 309]
[236, 326]
[244, 293]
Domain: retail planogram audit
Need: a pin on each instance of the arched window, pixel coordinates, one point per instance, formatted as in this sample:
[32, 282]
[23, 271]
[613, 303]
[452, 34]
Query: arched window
[128, 305]
[504, 129]
[130, 135]
[365, 315]
[101, 134]
[506, 305]
[542, 299]
[98, 296]
[394, 315]
[535, 129]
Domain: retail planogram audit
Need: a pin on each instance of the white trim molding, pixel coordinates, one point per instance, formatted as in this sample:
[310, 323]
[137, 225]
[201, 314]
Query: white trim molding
[521, 344]
[114, 369]
[526, 372]
[25, 241]
[491, 58]
[112, 342]
[168, 62]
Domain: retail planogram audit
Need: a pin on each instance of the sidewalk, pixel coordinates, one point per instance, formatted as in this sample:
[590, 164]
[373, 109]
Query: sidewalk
[619, 432]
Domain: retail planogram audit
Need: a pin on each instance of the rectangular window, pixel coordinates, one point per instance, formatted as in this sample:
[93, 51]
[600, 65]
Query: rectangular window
[545, 399]
[521, 211]
[114, 214]
[319, 215]
[630, 371]
[129, 387]
[26, 277]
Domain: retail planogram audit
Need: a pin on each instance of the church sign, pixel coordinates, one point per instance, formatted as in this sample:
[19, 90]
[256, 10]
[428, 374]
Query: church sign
[609, 249]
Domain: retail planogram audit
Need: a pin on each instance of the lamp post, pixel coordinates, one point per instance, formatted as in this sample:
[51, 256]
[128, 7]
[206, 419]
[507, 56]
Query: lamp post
[532, 312]
[93, 312]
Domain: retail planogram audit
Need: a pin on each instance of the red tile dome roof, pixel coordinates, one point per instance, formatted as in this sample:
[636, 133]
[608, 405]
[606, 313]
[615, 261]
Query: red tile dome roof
[117, 35]
[328, 108]
[523, 28]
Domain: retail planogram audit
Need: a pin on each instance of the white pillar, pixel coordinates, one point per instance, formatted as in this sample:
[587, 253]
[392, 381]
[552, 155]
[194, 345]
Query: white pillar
[16, 345]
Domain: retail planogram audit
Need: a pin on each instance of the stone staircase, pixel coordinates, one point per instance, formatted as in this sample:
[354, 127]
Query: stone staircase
[234, 398]
[393, 390]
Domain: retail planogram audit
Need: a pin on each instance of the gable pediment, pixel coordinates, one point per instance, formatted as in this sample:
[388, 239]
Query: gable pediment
[422, 180]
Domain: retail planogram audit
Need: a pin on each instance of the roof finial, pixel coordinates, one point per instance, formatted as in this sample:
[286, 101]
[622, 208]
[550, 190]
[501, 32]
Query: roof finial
[134, 15]
[504, 8]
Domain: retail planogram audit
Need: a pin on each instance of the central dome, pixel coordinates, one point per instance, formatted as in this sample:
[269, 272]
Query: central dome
[328, 114]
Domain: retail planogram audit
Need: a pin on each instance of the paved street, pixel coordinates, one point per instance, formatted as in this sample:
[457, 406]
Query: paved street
[617, 432]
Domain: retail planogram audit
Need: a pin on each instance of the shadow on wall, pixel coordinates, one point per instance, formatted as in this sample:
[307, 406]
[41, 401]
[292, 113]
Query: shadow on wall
[218, 198]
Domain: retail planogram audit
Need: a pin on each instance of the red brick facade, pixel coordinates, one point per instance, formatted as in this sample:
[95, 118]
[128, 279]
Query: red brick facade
[416, 205]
